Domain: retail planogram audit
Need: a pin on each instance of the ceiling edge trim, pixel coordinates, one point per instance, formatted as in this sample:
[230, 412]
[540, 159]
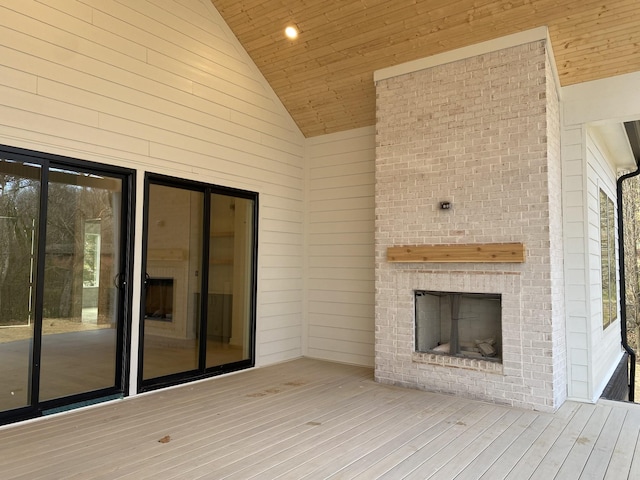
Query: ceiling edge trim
[616, 142]
[513, 40]
[603, 100]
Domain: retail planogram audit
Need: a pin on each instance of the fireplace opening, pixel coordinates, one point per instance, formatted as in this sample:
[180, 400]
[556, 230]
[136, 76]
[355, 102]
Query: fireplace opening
[459, 324]
[159, 299]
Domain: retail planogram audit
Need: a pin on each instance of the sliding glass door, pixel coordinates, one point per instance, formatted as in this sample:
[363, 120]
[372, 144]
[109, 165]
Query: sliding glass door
[82, 259]
[198, 238]
[174, 260]
[229, 287]
[63, 265]
[20, 187]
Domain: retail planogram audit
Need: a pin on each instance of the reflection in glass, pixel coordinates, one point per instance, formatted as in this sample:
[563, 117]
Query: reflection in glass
[91, 267]
[608, 260]
[174, 258]
[180, 319]
[228, 307]
[82, 255]
[19, 211]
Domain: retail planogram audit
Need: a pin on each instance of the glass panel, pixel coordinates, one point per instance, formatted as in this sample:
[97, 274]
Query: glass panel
[229, 299]
[608, 261]
[613, 263]
[174, 258]
[80, 314]
[19, 210]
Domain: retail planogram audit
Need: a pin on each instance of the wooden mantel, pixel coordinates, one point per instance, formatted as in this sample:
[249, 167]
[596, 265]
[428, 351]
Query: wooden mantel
[465, 252]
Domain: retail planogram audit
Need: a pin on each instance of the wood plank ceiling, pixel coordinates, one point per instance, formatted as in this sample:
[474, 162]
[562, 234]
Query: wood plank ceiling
[325, 77]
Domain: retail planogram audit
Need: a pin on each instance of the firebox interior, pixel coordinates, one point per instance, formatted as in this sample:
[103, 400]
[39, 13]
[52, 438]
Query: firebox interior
[459, 324]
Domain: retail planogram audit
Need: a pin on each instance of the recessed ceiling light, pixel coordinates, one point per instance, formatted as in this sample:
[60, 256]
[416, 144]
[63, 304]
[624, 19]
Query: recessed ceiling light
[291, 32]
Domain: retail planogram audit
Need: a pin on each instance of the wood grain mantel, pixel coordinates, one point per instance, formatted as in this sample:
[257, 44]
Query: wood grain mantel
[463, 253]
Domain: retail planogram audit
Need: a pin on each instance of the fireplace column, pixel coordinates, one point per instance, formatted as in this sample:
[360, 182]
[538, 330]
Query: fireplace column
[477, 128]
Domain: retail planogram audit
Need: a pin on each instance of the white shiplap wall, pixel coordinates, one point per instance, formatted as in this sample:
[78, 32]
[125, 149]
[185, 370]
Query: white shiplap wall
[162, 86]
[592, 352]
[577, 272]
[605, 343]
[339, 246]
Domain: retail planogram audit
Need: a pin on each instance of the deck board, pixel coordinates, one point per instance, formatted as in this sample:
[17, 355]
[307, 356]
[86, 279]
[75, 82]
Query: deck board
[338, 426]
[598, 461]
[498, 448]
[580, 450]
[514, 453]
[470, 450]
[372, 465]
[317, 420]
[433, 456]
[619, 465]
[365, 455]
[550, 449]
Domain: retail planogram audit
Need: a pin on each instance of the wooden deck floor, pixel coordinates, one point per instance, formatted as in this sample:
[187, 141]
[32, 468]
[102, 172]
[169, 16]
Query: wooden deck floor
[316, 420]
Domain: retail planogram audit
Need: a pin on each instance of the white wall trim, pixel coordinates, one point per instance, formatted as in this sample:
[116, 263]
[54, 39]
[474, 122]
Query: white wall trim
[304, 341]
[612, 139]
[520, 38]
[606, 100]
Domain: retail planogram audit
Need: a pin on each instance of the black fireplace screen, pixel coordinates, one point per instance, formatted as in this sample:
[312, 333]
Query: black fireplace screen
[459, 324]
[159, 299]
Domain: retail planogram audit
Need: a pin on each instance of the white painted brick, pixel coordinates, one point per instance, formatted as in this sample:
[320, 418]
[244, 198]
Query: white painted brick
[484, 134]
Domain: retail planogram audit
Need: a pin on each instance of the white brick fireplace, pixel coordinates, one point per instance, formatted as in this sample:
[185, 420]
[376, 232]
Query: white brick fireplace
[479, 130]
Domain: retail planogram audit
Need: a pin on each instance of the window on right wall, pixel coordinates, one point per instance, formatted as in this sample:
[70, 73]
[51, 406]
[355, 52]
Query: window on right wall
[608, 260]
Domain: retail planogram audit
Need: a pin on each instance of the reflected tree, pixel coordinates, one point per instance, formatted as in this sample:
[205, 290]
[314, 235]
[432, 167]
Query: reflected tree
[72, 203]
[631, 217]
[18, 219]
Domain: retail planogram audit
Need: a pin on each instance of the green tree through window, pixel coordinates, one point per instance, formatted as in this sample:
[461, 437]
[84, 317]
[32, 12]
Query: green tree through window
[608, 260]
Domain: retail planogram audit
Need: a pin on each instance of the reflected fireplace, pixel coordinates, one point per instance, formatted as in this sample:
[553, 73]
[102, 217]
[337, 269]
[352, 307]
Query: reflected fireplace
[159, 299]
[459, 324]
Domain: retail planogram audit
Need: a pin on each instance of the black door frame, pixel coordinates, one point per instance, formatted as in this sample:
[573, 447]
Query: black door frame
[123, 344]
[202, 371]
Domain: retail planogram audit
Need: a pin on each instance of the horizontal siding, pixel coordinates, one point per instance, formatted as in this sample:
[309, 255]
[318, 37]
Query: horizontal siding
[163, 86]
[605, 343]
[576, 264]
[340, 226]
[592, 352]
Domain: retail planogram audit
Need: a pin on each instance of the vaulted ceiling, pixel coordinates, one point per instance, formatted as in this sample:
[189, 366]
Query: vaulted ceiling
[325, 77]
